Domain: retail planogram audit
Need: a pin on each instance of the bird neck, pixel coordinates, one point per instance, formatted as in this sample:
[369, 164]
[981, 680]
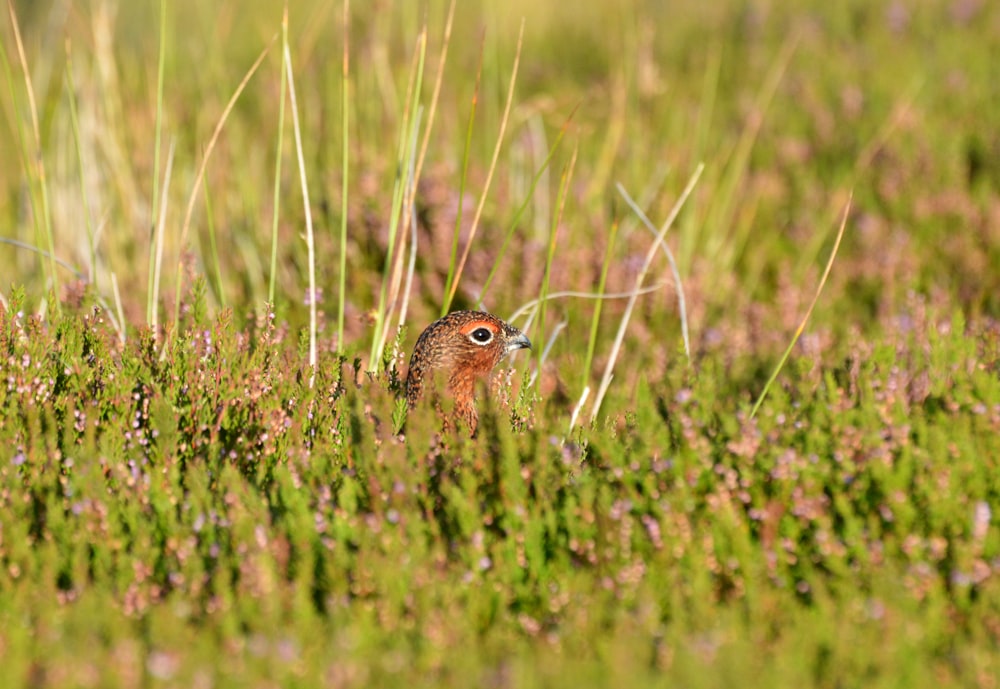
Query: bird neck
[463, 392]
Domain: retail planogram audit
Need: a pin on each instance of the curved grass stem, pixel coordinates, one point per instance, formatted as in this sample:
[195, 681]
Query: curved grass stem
[650, 254]
[812, 305]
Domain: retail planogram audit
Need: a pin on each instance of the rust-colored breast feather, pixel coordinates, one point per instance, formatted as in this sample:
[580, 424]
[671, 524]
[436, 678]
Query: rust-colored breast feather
[464, 345]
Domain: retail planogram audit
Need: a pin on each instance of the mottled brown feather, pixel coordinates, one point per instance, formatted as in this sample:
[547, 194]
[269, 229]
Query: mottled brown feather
[453, 346]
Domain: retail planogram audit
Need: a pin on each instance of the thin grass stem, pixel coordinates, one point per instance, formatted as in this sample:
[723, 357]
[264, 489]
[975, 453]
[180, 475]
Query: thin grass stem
[393, 261]
[808, 314]
[84, 199]
[38, 158]
[528, 308]
[623, 326]
[722, 218]
[159, 231]
[546, 350]
[460, 206]
[410, 270]
[279, 147]
[596, 320]
[118, 307]
[44, 254]
[310, 239]
[407, 210]
[436, 93]
[345, 113]
[681, 301]
[564, 183]
[578, 408]
[431, 112]
[203, 166]
[492, 168]
[213, 246]
[152, 290]
[516, 221]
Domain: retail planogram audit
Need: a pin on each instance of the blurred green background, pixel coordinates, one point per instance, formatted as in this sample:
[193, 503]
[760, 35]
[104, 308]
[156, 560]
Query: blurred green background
[207, 516]
[789, 105]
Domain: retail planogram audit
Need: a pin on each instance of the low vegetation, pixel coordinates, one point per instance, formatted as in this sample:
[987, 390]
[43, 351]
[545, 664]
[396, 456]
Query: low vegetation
[210, 479]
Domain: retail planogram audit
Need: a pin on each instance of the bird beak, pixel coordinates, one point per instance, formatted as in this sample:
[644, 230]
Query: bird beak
[519, 342]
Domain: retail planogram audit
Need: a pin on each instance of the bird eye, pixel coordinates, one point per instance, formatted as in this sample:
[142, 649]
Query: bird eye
[481, 335]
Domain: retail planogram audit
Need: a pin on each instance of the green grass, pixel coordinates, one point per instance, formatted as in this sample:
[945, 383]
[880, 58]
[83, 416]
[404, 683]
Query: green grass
[186, 500]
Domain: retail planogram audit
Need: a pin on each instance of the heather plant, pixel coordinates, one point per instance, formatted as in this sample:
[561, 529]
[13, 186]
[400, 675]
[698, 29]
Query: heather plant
[756, 440]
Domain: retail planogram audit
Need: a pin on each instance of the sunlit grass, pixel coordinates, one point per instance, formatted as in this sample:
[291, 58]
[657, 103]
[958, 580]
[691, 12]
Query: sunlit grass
[202, 488]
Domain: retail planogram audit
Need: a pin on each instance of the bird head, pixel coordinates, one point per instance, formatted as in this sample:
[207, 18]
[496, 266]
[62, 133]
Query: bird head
[462, 346]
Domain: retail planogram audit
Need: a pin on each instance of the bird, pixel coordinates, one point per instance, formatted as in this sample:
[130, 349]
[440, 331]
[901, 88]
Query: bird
[462, 346]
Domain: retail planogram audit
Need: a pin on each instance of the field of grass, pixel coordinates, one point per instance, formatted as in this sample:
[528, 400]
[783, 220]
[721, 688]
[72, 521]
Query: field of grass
[219, 241]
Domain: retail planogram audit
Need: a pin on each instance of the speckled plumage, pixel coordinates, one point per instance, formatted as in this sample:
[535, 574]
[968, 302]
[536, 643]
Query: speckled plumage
[464, 345]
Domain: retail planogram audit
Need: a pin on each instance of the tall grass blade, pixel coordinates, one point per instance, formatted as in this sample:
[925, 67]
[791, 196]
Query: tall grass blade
[158, 233]
[200, 175]
[516, 220]
[623, 326]
[393, 266]
[564, 183]
[313, 295]
[407, 211]
[92, 275]
[460, 206]
[425, 142]
[595, 321]
[491, 170]
[120, 323]
[345, 113]
[546, 350]
[410, 270]
[812, 305]
[152, 289]
[213, 247]
[529, 308]
[279, 147]
[44, 254]
[38, 159]
[681, 301]
[721, 220]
